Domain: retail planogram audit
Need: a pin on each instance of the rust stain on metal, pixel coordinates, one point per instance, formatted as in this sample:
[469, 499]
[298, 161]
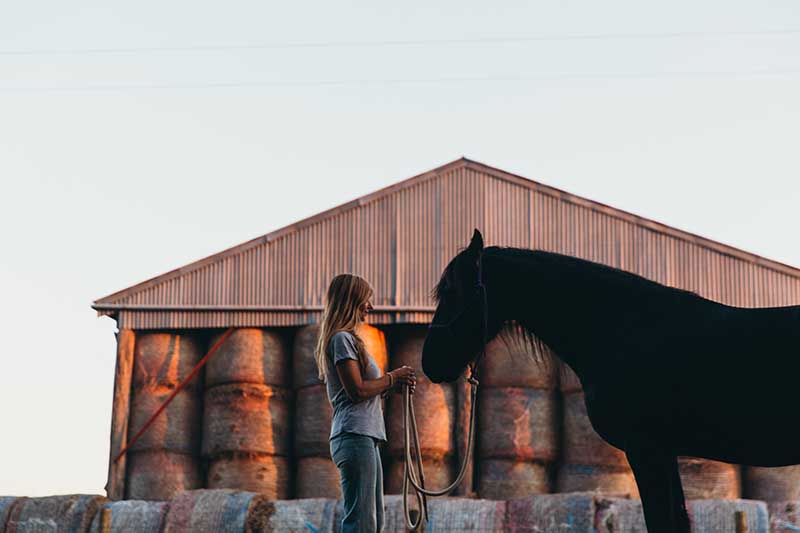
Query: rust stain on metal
[401, 237]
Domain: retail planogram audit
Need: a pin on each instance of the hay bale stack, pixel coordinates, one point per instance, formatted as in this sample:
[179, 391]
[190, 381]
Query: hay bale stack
[293, 516]
[317, 476]
[517, 426]
[615, 515]
[435, 407]
[779, 484]
[784, 517]
[208, 511]
[552, 512]
[588, 463]
[704, 479]
[165, 459]
[7, 504]
[132, 515]
[246, 414]
[71, 513]
[720, 515]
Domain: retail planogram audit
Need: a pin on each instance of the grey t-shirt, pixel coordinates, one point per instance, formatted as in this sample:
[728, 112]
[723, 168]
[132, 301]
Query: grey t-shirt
[364, 417]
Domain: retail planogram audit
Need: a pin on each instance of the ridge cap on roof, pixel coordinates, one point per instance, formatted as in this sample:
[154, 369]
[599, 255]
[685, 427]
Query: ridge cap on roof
[462, 162]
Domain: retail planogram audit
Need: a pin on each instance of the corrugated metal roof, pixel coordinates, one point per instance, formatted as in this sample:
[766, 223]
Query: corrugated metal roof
[401, 237]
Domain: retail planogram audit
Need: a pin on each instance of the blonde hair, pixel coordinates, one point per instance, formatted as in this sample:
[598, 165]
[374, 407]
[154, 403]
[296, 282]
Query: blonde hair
[346, 294]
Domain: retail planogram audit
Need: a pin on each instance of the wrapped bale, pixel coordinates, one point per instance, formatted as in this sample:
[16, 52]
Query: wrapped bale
[72, 513]
[704, 479]
[617, 515]
[588, 463]
[449, 514]
[313, 412]
[779, 484]
[317, 477]
[503, 479]
[721, 515]
[784, 517]
[435, 413]
[246, 437]
[159, 475]
[132, 515]
[293, 516]
[7, 503]
[208, 511]
[166, 458]
[517, 426]
[550, 512]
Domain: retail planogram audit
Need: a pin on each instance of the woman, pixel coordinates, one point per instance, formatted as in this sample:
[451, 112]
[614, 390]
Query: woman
[355, 384]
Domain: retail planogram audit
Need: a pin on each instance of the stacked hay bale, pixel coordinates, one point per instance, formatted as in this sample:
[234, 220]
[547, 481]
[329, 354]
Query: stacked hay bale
[316, 475]
[165, 460]
[131, 515]
[246, 414]
[435, 413]
[71, 513]
[704, 479]
[772, 485]
[588, 463]
[517, 427]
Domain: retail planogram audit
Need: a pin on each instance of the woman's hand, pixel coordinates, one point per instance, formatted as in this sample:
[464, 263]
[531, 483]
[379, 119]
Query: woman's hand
[404, 376]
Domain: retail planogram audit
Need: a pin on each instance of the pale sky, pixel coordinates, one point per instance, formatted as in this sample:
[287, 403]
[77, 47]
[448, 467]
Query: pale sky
[138, 137]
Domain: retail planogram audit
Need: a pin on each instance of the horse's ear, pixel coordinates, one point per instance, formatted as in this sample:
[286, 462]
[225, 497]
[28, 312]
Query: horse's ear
[476, 244]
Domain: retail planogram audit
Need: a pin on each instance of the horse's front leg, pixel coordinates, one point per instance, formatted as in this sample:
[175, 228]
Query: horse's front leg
[660, 488]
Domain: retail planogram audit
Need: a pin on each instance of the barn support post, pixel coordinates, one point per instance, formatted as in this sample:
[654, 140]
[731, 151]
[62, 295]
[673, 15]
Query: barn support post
[120, 412]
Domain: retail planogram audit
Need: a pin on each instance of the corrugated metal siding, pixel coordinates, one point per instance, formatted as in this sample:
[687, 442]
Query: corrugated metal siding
[402, 240]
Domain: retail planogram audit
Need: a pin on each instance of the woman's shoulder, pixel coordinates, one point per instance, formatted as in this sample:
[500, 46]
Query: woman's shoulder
[342, 337]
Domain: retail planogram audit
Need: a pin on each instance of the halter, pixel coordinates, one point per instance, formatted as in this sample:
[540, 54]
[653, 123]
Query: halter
[417, 478]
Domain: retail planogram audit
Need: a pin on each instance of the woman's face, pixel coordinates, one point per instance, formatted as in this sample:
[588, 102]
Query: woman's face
[365, 308]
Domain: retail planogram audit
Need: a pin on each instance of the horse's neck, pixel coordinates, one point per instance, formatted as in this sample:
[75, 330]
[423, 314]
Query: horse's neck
[548, 304]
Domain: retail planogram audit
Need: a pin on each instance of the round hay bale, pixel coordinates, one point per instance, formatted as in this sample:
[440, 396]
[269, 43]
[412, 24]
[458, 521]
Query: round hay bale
[568, 381]
[165, 359]
[407, 345]
[262, 473]
[71, 513]
[704, 479]
[293, 516]
[245, 417]
[313, 414]
[517, 423]
[7, 503]
[305, 371]
[304, 365]
[317, 477]
[439, 473]
[133, 515]
[375, 343]
[208, 511]
[176, 429]
[249, 355]
[434, 406]
[777, 484]
[503, 479]
[160, 475]
[581, 444]
[606, 480]
[510, 362]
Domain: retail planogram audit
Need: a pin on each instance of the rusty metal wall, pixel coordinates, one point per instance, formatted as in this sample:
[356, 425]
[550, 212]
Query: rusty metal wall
[401, 238]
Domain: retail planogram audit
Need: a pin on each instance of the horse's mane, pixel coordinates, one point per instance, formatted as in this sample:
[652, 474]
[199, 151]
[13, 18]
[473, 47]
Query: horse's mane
[540, 352]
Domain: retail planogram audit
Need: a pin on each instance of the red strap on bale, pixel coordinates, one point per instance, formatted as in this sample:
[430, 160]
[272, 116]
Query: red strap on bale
[180, 386]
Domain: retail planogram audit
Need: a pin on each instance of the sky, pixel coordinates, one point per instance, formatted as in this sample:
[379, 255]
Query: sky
[136, 137]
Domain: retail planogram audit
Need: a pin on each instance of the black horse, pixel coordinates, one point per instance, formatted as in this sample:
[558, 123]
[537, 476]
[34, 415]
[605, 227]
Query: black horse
[665, 372]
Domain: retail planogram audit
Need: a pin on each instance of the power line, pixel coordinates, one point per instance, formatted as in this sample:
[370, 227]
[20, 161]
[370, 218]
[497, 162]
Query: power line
[415, 42]
[420, 81]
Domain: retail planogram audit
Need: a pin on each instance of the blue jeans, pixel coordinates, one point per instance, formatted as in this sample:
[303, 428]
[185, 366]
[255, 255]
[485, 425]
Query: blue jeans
[359, 462]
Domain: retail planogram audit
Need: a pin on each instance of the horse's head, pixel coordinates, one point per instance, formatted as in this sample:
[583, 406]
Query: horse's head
[456, 334]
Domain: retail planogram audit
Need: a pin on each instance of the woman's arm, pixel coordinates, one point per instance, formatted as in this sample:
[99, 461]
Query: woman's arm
[358, 389]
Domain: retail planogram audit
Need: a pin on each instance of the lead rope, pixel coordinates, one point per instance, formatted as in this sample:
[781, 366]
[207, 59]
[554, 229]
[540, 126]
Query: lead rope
[413, 473]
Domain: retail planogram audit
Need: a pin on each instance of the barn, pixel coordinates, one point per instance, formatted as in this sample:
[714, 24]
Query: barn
[256, 418]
